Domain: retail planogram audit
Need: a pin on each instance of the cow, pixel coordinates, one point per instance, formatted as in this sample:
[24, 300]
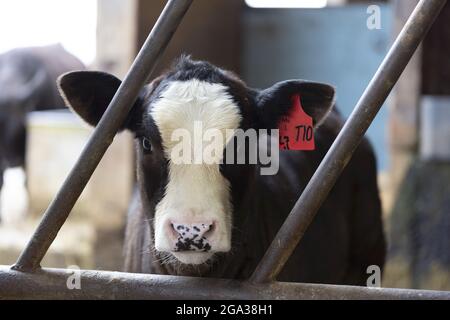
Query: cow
[27, 83]
[218, 219]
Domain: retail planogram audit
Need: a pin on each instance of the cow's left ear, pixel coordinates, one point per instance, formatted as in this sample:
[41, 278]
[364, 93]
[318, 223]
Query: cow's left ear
[89, 93]
[273, 103]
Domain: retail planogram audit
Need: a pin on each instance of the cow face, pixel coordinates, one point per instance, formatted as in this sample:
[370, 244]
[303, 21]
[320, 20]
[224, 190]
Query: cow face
[190, 203]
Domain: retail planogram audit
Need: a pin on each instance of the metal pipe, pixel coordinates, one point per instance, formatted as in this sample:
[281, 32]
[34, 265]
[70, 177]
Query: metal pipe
[348, 139]
[62, 204]
[52, 284]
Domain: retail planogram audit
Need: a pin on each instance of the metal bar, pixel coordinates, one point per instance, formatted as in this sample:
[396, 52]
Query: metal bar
[52, 284]
[62, 204]
[348, 139]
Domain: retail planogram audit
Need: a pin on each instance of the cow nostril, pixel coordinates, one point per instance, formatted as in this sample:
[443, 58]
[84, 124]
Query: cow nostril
[210, 230]
[174, 232]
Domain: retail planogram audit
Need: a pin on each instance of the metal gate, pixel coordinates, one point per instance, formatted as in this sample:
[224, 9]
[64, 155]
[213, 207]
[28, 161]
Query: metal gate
[26, 279]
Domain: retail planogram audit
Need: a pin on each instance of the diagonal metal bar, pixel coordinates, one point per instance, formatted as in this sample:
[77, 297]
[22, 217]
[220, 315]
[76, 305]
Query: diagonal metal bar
[348, 139]
[62, 204]
[52, 284]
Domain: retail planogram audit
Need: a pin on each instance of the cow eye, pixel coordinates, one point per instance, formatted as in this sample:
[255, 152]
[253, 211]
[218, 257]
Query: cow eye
[147, 145]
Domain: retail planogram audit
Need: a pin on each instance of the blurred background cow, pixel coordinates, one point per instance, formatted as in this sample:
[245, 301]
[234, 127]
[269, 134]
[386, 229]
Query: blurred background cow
[335, 42]
[27, 82]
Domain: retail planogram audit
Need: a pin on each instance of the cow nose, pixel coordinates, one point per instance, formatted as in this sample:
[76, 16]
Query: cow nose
[193, 236]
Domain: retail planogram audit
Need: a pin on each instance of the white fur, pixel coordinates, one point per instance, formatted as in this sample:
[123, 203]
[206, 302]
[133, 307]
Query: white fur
[14, 196]
[195, 193]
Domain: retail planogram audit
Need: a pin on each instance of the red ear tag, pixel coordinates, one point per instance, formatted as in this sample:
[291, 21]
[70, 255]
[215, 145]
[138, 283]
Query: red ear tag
[296, 129]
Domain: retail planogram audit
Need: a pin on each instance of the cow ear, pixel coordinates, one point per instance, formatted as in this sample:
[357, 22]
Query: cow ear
[276, 102]
[89, 93]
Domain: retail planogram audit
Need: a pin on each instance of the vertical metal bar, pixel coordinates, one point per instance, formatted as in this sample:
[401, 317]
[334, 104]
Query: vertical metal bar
[348, 139]
[62, 204]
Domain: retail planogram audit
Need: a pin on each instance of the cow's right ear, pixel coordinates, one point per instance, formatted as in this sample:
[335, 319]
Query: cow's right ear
[89, 93]
[316, 99]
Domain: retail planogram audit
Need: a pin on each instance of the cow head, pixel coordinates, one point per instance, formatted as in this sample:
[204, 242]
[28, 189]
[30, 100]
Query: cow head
[191, 206]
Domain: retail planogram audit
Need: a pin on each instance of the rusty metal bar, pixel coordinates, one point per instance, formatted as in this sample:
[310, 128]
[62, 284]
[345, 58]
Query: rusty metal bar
[52, 284]
[348, 139]
[62, 204]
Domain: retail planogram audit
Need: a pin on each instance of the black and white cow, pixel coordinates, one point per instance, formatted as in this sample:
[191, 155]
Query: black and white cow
[217, 220]
[27, 83]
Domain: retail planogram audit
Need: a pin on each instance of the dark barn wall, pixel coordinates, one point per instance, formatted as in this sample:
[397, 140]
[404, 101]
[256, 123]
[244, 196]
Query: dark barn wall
[210, 30]
[436, 56]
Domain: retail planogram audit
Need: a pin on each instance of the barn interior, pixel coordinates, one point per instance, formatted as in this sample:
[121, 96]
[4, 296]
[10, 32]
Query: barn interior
[341, 42]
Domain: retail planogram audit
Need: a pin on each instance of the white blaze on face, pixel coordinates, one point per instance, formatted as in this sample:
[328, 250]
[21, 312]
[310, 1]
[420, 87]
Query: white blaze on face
[13, 196]
[195, 193]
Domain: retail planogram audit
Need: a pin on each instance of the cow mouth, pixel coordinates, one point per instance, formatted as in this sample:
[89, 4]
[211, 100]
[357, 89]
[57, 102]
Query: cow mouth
[192, 257]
